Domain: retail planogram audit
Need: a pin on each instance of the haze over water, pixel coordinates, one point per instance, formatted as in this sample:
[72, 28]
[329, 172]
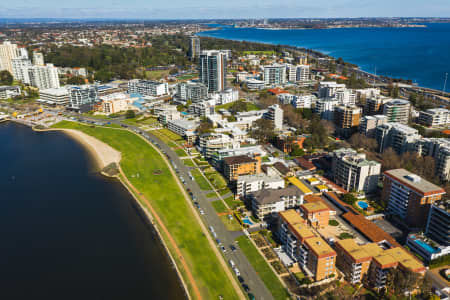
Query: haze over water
[69, 233]
[420, 54]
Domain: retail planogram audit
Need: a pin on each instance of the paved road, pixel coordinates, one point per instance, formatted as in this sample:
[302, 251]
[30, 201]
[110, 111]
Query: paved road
[248, 273]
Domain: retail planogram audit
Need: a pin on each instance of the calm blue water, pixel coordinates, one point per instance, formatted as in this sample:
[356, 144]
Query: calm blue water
[363, 204]
[420, 54]
[426, 246]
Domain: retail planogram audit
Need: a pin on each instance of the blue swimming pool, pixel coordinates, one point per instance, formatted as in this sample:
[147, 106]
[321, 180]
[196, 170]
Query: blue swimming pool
[425, 246]
[247, 221]
[363, 204]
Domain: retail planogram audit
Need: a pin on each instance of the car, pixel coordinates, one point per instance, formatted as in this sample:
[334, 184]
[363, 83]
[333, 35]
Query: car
[241, 280]
[236, 271]
[232, 264]
[251, 296]
[246, 288]
[202, 212]
[233, 248]
[223, 249]
[211, 228]
[214, 235]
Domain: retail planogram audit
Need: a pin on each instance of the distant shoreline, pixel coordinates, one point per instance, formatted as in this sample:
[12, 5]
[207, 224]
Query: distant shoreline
[305, 49]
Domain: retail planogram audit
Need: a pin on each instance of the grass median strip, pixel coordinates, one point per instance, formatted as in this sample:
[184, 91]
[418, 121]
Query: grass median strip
[219, 206]
[201, 181]
[262, 268]
[149, 173]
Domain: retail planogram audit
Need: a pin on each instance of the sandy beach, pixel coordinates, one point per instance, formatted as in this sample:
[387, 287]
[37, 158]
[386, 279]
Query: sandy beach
[102, 153]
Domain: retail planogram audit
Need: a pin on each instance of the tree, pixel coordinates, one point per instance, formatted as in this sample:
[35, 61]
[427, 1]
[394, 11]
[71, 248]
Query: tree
[130, 114]
[358, 140]
[6, 78]
[76, 80]
[204, 127]
[238, 106]
[297, 151]
[349, 198]
[262, 130]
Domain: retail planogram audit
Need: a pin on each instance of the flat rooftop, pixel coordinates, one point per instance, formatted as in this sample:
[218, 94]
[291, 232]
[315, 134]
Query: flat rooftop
[297, 224]
[315, 207]
[320, 247]
[414, 182]
[296, 182]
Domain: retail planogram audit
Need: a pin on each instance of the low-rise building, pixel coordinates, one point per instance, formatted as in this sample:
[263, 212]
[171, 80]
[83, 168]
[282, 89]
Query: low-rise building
[183, 128]
[267, 203]
[58, 96]
[254, 84]
[426, 249]
[166, 113]
[434, 117]
[7, 92]
[210, 143]
[409, 196]
[438, 223]
[82, 98]
[148, 87]
[116, 102]
[247, 184]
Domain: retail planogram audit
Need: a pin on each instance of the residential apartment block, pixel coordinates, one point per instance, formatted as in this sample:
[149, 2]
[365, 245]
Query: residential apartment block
[193, 91]
[353, 171]
[409, 196]
[316, 213]
[368, 124]
[148, 87]
[311, 252]
[397, 136]
[274, 75]
[397, 110]
[438, 224]
[434, 117]
[267, 203]
[213, 69]
[235, 166]
[275, 114]
[247, 184]
[373, 261]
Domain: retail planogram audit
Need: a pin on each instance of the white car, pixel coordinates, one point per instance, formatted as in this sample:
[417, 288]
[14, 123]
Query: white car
[232, 264]
[236, 271]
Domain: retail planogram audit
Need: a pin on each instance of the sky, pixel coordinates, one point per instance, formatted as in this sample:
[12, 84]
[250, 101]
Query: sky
[224, 9]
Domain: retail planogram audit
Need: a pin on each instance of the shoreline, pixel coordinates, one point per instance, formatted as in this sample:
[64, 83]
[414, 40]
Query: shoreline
[102, 155]
[322, 54]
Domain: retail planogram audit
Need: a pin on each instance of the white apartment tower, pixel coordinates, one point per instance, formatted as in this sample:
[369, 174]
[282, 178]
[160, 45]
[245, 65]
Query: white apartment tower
[8, 51]
[275, 114]
[44, 77]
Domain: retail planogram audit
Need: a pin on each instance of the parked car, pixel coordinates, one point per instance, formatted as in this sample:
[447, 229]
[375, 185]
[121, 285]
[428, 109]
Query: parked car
[236, 271]
[246, 288]
[233, 248]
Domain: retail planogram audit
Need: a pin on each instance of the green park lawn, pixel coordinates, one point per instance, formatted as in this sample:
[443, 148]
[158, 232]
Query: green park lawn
[201, 181]
[219, 206]
[230, 223]
[180, 152]
[156, 182]
[269, 278]
[188, 162]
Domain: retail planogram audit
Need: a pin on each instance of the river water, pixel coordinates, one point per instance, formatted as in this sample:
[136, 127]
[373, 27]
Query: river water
[66, 232]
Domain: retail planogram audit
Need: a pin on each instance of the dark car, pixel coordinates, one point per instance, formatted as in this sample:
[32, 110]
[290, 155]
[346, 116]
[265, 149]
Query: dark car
[233, 248]
[241, 280]
[251, 296]
[246, 288]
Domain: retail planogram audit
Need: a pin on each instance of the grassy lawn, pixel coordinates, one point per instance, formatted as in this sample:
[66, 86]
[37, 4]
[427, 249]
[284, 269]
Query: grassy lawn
[168, 136]
[212, 194]
[156, 75]
[250, 106]
[217, 180]
[180, 152]
[225, 191]
[201, 181]
[219, 206]
[141, 121]
[187, 76]
[230, 224]
[262, 268]
[138, 157]
[188, 162]
[233, 203]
